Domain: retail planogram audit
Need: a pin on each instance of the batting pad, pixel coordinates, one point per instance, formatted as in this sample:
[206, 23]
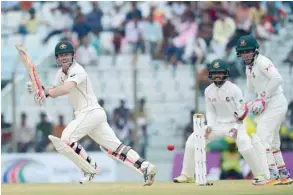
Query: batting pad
[261, 153]
[67, 151]
[124, 162]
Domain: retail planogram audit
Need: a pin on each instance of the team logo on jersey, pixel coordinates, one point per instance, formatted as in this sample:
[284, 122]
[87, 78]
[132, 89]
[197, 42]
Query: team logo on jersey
[216, 65]
[72, 75]
[63, 46]
[243, 43]
[269, 66]
[227, 99]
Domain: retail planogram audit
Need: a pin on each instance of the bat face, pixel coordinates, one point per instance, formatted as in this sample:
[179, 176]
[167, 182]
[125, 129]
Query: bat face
[31, 68]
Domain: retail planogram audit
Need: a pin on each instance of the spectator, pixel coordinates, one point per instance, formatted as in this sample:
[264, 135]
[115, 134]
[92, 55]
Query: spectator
[30, 26]
[25, 135]
[81, 27]
[134, 34]
[188, 130]
[264, 32]
[63, 15]
[169, 32]
[157, 15]
[117, 17]
[187, 29]
[230, 163]
[95, 41]
[274, 14]
[224, 29]
[117, 41]
[243, 21]
[256, 13]
[86, 53]
[6, 134]
[121, 116]
[94, 18]
[58, 129]
[196, 50]
[43, 129]
[135, 12]
[142, 124]
[206, 28]
[152, 36]
[78, 12]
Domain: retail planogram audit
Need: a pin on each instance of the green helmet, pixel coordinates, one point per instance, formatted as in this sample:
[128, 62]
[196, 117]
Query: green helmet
[218, 65]
[64, 47]
[247, 42]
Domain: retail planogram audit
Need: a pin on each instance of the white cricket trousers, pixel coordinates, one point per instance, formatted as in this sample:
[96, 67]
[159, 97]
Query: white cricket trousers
[269, 123]
[94, 124]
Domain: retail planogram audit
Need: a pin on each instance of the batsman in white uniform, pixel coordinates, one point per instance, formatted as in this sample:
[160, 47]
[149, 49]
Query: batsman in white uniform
[268, 102]
[223, 100]
[90, 119]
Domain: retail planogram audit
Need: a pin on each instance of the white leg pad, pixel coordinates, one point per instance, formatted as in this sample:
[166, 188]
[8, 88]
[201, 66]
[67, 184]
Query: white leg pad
[67, 151]
[261, 153]
[124, 162]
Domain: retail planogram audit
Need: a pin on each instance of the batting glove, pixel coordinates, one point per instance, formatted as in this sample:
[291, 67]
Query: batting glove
[39, 100]
[29, 87]
[258, 106]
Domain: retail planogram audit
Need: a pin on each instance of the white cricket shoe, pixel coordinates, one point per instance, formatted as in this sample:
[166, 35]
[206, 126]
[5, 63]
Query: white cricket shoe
[87, 178]
[149, 173]
[90, 176]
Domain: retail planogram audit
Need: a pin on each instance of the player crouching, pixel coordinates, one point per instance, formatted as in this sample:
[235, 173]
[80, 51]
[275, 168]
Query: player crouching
[225, 111]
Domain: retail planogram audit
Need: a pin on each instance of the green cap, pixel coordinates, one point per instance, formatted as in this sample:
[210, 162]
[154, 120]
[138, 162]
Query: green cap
[247, 42]
[218, 65]
[64, 47]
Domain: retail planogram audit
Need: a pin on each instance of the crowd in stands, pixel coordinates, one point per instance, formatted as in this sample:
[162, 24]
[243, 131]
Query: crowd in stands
[35, 138]
[178, 33]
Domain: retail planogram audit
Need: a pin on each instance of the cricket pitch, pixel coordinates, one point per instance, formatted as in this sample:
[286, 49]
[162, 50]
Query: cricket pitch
[233, 187]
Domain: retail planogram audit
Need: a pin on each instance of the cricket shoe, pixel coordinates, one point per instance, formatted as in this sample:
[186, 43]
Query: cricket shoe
[90, 176]
[183, 179]
[285, 177]
[87, 178]
[149, 172]
[275, 178]
[261, 180]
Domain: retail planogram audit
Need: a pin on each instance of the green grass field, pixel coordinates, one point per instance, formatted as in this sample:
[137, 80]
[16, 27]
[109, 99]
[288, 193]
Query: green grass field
[160, 188]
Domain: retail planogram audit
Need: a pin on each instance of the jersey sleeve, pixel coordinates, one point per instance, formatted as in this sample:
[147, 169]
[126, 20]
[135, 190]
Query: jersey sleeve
[274, 78]
[77, 75]
[210, 111]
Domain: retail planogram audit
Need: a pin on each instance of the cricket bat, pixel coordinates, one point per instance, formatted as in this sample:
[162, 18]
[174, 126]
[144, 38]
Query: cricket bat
[31, 69]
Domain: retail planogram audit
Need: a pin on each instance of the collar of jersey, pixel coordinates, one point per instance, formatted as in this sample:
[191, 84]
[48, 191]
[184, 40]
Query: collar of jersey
[73, 64]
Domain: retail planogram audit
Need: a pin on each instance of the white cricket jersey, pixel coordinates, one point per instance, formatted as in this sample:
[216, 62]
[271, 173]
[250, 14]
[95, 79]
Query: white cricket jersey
[221, 103]
[263, 78]
[82, 96]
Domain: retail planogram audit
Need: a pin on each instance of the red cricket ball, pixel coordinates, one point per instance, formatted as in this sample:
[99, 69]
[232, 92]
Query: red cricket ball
[170, 147]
